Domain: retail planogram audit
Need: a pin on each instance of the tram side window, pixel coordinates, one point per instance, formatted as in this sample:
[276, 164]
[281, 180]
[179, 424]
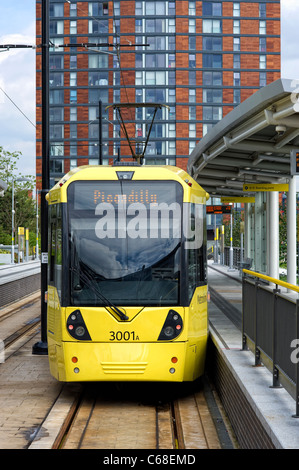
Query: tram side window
[55, 248]
[196, 252]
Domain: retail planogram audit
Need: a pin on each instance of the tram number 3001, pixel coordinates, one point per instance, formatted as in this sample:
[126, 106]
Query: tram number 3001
[123, 336]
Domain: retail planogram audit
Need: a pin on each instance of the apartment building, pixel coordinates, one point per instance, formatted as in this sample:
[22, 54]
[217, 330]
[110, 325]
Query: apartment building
[200, 58]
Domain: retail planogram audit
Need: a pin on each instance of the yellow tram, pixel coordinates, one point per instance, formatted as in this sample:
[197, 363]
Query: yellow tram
[127, 275]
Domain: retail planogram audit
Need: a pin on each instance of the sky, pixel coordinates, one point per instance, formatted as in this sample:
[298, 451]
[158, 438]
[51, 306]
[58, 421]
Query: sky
[17, 73]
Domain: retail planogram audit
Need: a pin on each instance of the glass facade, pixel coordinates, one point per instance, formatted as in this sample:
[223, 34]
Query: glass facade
[200, 58]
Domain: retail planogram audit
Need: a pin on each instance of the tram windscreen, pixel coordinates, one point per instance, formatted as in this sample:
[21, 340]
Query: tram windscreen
[125, 242]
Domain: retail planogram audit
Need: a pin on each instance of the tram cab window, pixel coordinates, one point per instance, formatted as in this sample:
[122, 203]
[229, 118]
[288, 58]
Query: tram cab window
[55, 248]
[125, 242]
[196, 249]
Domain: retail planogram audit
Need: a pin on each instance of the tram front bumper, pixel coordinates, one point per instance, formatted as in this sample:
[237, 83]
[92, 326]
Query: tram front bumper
[173, 361]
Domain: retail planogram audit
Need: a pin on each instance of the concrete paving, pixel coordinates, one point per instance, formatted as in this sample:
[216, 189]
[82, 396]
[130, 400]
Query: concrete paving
[275, 407]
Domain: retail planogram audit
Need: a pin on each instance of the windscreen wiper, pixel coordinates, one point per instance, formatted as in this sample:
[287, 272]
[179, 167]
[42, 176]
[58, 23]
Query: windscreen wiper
[89, 281]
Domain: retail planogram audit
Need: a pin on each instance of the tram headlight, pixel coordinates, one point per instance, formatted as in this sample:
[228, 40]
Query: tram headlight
[172, 327]
[80, 330]
[168, 331]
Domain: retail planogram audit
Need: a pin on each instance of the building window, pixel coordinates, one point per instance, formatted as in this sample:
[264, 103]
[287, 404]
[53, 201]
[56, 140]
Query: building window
[262, 10]
[73, 27]
[211, 9]
[73, 96]
[237, 61]
[263, 64]
[192, 145]
[56, 149]
[155, 43]
[263, 44]
[116, 8]
[212, 60]
[171, 95]
[212, 78]
[73, 163]
[138, 8]
[155, 61]
[192, 25]
[73, 114]
[56, 96]
[95, 95]
[171, 130]
[155, 8]
[171, 78]
[237, 96]
[171, 25]
[192, 112]
[98, 78]
[56, 27]
[262, 27]
[236, 27]
[155, 78]
[73, 78]
[73, 62]
[192, 131]
[192, 61]
[73, 149]
[237, 79]
[210, 43]
[192, 43]
[73, 131]
[56, 10]
[211, 26]
[98, 8]
[56, 62]
[192, 9]
[56, 114]
[212, 113]
[138, 26]
[56, 79]
[97, 61]
[171, 8]
[57, 131]
[263, 78]
[211, 95]
[192, 95]
[97, 27]
[192, 78]
[56, 166]
[237, 44]
[155, 26]
[236, 9]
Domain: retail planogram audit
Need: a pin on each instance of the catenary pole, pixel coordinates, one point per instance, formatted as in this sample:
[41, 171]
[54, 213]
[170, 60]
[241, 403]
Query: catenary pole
[41, 347]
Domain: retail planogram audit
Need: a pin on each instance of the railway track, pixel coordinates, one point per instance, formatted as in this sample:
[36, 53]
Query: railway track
[139, 416]
[19, 322]
[118, 416]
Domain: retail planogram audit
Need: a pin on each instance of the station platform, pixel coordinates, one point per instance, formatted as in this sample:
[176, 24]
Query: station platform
[262, 417]
[272, 407]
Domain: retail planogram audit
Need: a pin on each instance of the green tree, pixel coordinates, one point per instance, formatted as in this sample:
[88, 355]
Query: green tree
[237, 218]
[24, 205]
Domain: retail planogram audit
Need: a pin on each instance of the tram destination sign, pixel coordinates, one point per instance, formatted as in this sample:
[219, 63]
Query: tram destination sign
[219, 209]
[295, 162]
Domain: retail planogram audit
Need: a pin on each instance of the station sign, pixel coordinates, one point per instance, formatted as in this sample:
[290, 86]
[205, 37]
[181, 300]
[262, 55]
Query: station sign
[244, 200]
[219, 209]
[294, 162]
[265, 187]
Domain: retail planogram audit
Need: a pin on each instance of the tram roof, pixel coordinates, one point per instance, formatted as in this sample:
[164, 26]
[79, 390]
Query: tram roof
[252, 144]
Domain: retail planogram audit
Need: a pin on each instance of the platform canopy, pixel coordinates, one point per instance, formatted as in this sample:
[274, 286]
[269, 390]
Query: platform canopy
[252, 144]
